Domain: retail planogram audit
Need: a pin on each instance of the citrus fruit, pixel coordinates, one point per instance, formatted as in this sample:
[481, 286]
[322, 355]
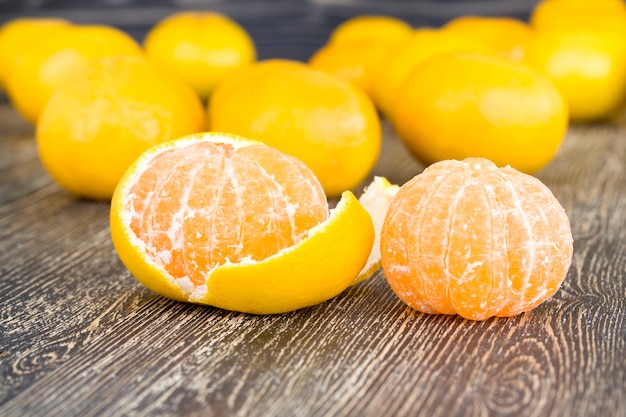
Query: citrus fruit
[588, 66]
[217, 219]
[577, 13]
[460, 105]
[96, 124]
[19, 34]
[352, 62]
[402, 58]
[370, 28]
[505, 35]
[201, 47]
[328, 124]
[469, 238]
[40, 67]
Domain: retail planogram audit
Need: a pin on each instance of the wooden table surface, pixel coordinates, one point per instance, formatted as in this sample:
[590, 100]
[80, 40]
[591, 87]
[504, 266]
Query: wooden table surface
[80, 337]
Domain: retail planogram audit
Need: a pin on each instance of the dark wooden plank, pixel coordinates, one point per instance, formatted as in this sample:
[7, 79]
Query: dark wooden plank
[79, 336]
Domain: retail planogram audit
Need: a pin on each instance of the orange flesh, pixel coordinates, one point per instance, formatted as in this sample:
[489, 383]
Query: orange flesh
[468, 238]
[207, 204]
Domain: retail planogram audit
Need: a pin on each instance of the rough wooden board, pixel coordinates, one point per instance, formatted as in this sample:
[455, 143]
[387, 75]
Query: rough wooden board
[80, 337]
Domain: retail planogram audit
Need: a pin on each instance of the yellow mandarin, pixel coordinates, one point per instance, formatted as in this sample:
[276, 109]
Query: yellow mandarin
[97, 123]
[462, 105]
[201, 47]
[330, 125]
[42, 66]
[19, 34]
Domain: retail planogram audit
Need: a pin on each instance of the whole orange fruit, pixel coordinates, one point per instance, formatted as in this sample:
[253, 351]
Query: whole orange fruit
[401, 59]
[39, 68]
[19, 34]
[327, 123]
[221, 220]
[469, 238]
[352, 62]
[550, 14]
[96, 124]
[201, 47]
[370, 28]
[461, 105]
[505, 35]
[587, 65]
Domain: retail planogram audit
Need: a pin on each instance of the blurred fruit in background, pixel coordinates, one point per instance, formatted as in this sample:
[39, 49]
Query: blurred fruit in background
[357, 45]
[588, 68]
[327, 123]
[576, 13]
[464, 105]
[201, 47]
[19, 34]
[60, 55]
[370, 28]
[581, 47]
[405, 56]
[99, 121]
[506, 36]
[354, 63]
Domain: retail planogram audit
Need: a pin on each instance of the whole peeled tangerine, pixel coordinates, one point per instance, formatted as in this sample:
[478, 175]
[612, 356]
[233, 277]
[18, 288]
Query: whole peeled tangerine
[469, 238]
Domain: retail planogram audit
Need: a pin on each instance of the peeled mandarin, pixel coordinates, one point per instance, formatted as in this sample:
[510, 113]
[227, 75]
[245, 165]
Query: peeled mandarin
[218, 219]
[469, 238]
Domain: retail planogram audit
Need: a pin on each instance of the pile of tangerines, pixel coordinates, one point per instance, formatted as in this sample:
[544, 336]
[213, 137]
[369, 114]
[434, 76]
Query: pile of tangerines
[218, 166]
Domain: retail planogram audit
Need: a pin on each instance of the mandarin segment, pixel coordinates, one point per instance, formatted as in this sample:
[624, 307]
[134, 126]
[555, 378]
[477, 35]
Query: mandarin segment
[468, 238]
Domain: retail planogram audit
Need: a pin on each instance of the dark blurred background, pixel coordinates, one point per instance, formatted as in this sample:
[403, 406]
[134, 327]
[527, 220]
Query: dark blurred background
[280, 28]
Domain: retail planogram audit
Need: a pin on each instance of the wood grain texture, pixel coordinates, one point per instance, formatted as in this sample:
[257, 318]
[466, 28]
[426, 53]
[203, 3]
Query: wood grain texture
[80, 337]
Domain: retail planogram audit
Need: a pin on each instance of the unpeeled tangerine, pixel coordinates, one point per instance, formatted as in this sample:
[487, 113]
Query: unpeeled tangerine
[469, 238]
